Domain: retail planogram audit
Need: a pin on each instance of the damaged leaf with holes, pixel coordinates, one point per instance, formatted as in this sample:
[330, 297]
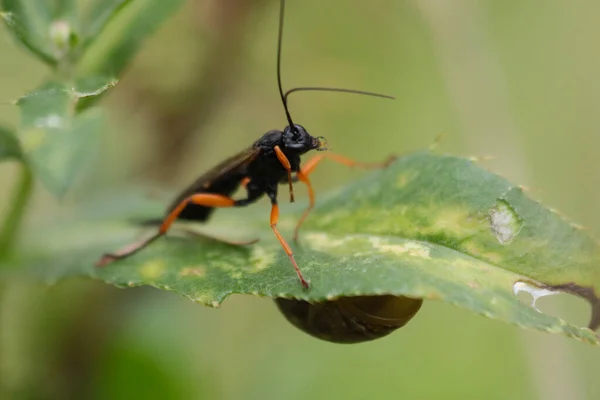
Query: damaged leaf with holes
[428, 227]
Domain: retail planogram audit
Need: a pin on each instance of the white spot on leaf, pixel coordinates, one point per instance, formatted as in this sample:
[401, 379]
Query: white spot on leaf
[505, 223]
[60, 33]
[49, 121]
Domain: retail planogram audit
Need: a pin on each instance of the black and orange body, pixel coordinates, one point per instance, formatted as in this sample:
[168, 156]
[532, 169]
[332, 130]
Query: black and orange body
[272, 160]
[262, 168]
[259, 169]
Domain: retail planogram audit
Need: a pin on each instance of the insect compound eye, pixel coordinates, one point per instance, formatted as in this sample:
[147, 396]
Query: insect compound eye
[297, 132]
[291, 133]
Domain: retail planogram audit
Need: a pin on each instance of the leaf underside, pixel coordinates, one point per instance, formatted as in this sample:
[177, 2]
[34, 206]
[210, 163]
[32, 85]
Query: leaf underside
[429, 226]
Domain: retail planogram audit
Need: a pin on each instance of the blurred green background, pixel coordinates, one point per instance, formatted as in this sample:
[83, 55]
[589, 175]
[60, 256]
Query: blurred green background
[516, 80]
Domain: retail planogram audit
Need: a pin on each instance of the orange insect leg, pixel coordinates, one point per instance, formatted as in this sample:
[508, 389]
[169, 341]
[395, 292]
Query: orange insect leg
[203, 199]
[302, 177]
[286, 164]
[286, 247]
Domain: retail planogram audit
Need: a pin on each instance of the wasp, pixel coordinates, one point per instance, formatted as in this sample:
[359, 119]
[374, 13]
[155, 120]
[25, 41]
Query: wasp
[272, 160]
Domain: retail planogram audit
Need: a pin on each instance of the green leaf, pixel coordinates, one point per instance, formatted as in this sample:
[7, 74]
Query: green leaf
[433, 227]
[55, 139]
[66, 9]
[119, 33]
[9, 145]
[90, 90]
[30, 22]
[99, 14]
[47, 28]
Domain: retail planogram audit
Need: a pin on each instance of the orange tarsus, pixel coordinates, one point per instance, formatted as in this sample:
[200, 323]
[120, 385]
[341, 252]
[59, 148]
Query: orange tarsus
[286, 247]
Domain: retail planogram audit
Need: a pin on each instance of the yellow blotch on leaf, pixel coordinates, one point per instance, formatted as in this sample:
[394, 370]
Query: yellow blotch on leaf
[261, 259]
[193, 271]
[236, 275]
[321, 241]
[474, 250]
[405, 178]
[411, 248]
[152, 269]
[455, 222]
[32, 139]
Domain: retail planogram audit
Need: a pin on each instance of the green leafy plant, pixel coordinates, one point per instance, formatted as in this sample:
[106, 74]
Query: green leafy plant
[86, 51]
[430, 227]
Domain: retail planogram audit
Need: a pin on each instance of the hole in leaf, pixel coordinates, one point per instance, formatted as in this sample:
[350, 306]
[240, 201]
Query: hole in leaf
[568, 307]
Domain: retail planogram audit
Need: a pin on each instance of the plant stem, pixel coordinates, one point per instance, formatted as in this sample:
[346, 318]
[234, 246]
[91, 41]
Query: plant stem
[11, 225]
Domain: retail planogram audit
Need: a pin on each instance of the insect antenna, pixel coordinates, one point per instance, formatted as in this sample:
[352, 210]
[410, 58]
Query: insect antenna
[285, 95]
[279, 40]
[329, 89]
